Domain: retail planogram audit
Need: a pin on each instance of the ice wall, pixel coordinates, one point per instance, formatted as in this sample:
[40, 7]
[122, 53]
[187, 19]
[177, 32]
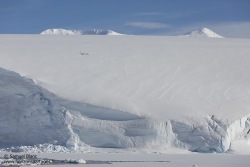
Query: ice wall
[31, 115]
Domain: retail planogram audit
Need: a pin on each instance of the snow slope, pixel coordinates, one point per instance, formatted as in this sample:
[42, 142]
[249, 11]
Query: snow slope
[203, 32]
[130, 91]
[78, 32]
[31, 115]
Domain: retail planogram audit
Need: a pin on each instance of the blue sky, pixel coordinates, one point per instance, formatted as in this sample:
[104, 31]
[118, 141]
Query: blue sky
[229, 18]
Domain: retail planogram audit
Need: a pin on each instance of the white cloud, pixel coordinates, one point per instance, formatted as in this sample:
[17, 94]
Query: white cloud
[148, 25]
[149, 14]
[166, 15]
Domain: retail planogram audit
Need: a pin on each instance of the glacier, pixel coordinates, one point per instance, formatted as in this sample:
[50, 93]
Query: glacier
[143, 92]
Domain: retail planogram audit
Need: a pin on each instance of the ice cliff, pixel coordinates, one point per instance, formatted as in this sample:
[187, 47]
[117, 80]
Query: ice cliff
[31, 115]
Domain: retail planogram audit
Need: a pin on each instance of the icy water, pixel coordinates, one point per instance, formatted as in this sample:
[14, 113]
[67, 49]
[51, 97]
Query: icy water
[145, 160]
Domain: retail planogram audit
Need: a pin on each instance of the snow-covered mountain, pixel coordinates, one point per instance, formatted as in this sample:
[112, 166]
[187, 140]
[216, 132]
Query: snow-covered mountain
[154, 93]
[203, 32]
[79, 32]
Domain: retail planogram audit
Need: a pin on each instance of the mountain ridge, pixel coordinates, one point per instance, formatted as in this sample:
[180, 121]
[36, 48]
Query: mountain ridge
[60, 31]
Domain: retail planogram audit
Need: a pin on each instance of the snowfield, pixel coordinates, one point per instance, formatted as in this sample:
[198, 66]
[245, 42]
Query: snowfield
[129, 92]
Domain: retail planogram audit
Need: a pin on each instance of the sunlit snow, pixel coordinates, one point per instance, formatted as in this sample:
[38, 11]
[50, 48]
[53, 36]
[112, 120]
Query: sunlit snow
[134, 92]
[203, 32]
[61, 31]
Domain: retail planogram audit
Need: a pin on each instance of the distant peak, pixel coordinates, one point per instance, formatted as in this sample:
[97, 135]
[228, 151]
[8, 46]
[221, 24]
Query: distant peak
[60, 31]
[204, 29]
[203, 32]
